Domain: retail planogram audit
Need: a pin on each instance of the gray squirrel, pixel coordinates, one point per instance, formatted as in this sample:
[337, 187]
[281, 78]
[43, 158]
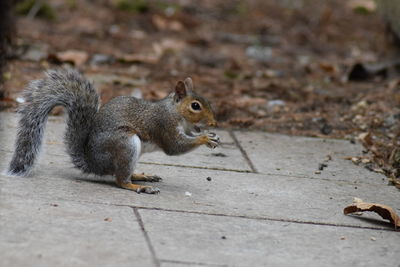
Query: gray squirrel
[108, 140]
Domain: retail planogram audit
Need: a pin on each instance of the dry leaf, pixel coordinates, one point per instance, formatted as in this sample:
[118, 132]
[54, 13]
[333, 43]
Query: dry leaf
[242, 121]
[365, 161]
[395, 181]
[156, 94]
[138, 58]
[365, 138]
[355, 160]
[384, 211]
[249, 101]
[159, 22]
[166, 24]
[74, 56]
[165, 45]
[328, 67]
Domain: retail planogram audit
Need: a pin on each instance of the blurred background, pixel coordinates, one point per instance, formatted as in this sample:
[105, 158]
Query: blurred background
[301, 67]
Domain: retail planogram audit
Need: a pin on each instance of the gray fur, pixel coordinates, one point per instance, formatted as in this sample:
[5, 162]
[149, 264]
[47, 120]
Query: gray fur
[66, 88]
[118, 120]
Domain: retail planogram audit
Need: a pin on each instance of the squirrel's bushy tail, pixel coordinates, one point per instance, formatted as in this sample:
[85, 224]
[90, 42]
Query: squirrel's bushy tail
[66, 88]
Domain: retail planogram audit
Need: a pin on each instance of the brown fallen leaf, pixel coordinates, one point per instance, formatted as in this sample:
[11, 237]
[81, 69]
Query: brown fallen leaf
[76, 57]
[168, 45]
[249, 101]
[138, 58]
[165, 24]
[384, 211]
[328, 67]
[366, 139]
[394, 180]
[242, 121]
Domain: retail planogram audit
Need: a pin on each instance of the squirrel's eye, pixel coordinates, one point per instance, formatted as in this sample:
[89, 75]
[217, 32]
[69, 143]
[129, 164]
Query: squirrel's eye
[195, 106]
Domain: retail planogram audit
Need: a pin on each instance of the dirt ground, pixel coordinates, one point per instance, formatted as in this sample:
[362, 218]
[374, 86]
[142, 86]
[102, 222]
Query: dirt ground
[293, 67]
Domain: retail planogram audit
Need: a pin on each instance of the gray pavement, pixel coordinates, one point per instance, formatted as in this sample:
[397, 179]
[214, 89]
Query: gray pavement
[264, 206]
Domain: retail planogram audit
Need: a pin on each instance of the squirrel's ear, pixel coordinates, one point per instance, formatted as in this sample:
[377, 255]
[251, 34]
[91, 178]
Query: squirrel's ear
[180, 91]
[189, 84]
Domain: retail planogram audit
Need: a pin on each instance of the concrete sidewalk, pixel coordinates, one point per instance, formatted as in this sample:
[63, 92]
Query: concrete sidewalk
[255, 201]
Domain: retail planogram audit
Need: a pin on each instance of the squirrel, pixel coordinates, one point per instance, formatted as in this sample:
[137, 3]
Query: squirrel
[109, 140]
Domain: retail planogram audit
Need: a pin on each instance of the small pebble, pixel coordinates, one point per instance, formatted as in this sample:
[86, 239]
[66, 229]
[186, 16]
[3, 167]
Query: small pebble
[208, 178]
[188, 194]
[373, 238]
[321, 166]
[317, 172]
[223, 237]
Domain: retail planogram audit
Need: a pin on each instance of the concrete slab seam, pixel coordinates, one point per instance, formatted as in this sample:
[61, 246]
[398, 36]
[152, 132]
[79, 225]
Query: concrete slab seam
[320, 179]
[274, 219]
[194, 263]
[263, 173]
[194, 167]
[146, 236]
[232, 216]
[244, 153]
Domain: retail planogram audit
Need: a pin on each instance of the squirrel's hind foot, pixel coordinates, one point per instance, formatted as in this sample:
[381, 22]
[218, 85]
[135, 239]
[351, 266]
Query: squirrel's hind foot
[140, 188]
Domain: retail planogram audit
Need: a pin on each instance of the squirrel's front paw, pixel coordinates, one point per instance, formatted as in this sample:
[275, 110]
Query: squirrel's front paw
[213, 140]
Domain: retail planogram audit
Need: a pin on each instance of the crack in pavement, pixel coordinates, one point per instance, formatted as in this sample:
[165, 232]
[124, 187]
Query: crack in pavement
[232, 215]
[244, 153]
[194, 263]
[146, 236]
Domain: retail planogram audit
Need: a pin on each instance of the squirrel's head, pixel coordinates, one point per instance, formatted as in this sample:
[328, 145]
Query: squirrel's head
[194, 108]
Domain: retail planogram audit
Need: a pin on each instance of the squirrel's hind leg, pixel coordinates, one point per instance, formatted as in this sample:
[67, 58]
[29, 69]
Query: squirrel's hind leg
[125, 163]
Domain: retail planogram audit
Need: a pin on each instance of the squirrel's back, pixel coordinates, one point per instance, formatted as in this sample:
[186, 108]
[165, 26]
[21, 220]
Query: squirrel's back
[67, 88]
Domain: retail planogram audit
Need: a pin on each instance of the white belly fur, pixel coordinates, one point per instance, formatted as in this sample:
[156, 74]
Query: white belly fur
[137, 144]
[142, 147]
